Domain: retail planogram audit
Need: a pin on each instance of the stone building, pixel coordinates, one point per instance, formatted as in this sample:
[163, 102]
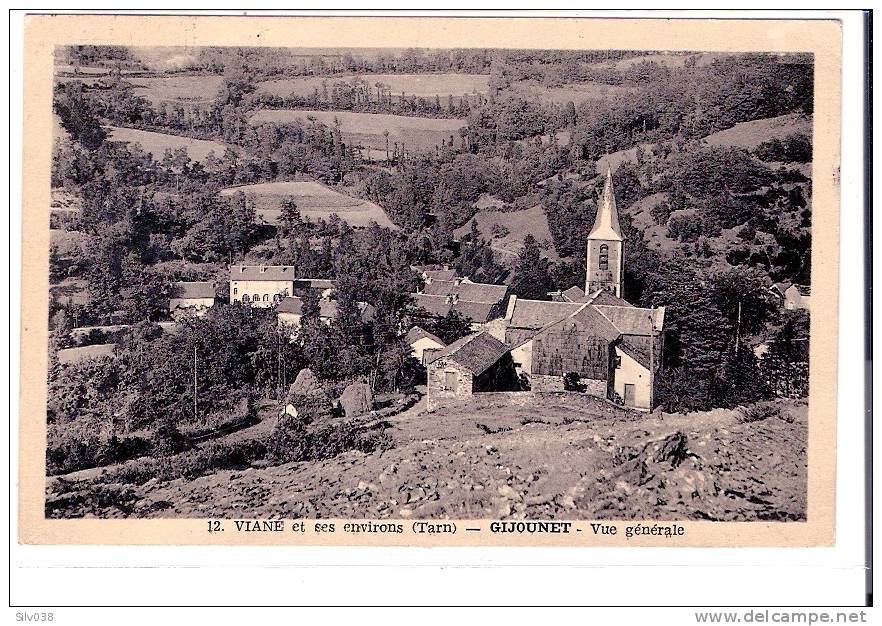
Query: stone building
[608, 347]
[261, 285]
[474, 364]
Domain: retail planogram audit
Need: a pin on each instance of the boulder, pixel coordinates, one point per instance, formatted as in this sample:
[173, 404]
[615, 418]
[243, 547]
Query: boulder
[357, 399]
[305, 384]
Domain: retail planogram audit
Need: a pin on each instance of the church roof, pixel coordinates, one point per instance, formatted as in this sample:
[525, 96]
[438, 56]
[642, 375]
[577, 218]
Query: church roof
[606, 223]
[631, 320]
[605, 296]
[536, 314]
[476, 353]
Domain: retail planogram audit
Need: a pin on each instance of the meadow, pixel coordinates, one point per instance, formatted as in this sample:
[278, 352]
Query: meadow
[366, 129]
[505, 230]
[178, 89]
[748, 135]
[157, 143]
[314, 201]
[420, 85]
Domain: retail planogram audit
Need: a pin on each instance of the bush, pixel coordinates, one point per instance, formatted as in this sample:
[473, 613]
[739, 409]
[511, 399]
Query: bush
[572, 382]
[291, 440]
[759, 412]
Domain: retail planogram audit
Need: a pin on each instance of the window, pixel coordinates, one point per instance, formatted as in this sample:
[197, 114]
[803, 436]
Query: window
[235, 291]
[450, 381]
[276, 297]
[266, 297]
[257, 297]
[245, 298]
[604, 257]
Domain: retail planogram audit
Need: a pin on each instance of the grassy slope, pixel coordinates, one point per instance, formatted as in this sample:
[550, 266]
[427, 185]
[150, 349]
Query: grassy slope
[531, 221]
[157, 143]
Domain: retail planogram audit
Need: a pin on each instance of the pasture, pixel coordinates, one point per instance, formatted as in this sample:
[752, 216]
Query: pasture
[366, 129]
[514, 226]
[198, 90]
[314, 201]
[748, 135]
[157, 143]
[420, 85]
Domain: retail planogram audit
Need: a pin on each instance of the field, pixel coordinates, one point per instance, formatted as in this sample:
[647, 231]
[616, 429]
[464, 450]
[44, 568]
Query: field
[749, 135]
[519, 224]
[575, 92]
[157, 143]
[178, 89]
[314, 201]
[366, 129]
[421, 85]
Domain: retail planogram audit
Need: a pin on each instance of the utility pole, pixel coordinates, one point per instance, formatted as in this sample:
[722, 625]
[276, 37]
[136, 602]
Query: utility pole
[738, 329]
[651, 362]
[195, 382]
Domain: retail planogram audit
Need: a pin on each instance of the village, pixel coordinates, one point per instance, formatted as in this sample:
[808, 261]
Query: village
[262, 258]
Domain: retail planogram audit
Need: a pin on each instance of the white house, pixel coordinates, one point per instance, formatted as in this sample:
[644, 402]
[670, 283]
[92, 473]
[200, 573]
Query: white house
[261, 285]
[420, 341]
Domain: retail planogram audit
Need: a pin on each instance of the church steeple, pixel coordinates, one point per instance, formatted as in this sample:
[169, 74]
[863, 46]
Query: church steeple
[605, 262]
[606, 223]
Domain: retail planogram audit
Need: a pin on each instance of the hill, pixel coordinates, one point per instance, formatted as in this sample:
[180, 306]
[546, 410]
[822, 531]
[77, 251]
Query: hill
[749, 135]
[567, 457]
[505, 230]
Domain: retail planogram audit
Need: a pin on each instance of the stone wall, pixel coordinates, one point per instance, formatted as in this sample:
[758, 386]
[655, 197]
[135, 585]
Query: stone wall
[544, 383]
[438, 393]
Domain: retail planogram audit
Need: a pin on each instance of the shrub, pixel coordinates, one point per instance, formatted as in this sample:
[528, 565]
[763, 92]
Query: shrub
[759, 412]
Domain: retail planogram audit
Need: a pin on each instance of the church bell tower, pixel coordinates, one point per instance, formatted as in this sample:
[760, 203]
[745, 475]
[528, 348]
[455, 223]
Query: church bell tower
[605, 265]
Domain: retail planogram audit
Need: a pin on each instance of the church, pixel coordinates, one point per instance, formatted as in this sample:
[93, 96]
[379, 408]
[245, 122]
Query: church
[590, 339]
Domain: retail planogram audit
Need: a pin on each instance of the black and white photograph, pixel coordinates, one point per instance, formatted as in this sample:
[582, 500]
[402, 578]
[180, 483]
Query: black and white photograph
[429, 283]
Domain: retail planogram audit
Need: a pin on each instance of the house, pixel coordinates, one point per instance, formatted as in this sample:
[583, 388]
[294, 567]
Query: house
[790, 296]
[479, 302]
[423, 343]
[797, 297]
[191, 297]
[290, 311]
[324, 286]
[474, 364]
[261, 285]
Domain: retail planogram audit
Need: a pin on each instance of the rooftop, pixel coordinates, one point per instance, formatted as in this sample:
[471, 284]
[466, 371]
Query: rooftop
[192, 290]
[631, 320]
[467, 290]
[262, 272]
[476, 353]
[440, 306]
[416, 333]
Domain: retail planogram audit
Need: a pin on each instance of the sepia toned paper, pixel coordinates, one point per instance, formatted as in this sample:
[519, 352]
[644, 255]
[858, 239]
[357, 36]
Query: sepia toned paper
[821, 39]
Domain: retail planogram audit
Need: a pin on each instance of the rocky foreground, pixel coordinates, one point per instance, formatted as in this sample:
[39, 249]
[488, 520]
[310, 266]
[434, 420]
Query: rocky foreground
[553, 461]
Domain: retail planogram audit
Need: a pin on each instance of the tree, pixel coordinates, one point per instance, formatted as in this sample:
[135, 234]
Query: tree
[451, 327]
[78, 116]
[532, 279]
[290, 218]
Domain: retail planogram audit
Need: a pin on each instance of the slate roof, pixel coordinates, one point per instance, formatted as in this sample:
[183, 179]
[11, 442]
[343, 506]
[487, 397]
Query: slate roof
[637, 352]
[440, 274]
[631, 320]
[588, 321]
[471, 292]
[476, 353]
[416, 333]
[262, 272]
[573, 294]
[440, 306]
[536, 314]
[605, 297]
[294, 304]
[192, 290]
